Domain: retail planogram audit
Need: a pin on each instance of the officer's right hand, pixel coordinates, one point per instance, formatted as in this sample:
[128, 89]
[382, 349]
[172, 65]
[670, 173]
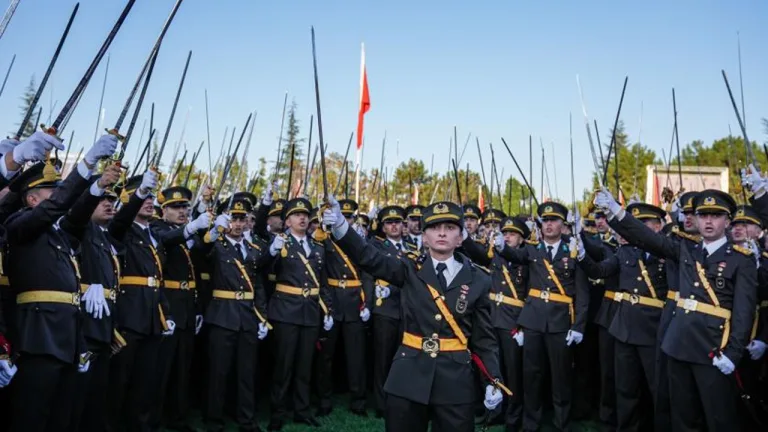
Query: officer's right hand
[605, 200]
[756, 349]
[7, 371]
[222, 220]
[519, 337]
[277, 245]
[365, 314]
[266, 196]
[104, 147]
[263, 330]
[148, 182]
[7, 145]
[382, 291]
[199, 223]
[109, 177]
[498, 241]
[35, 147]
[332, 215]
[751, 179]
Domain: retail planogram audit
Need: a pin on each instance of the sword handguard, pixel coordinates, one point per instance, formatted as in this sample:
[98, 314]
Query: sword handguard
[115, 133]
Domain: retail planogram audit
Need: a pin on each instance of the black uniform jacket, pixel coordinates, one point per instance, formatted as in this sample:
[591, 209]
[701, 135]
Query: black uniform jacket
[295, 269]
[141, 307]
[732, 275]
[347, 301]
[552, 316]
[390, 307]
[761, 331]
[178, 268]
[448, 377]
[99, 264]
[508, 279]
[602, 308]
[633, 322]
[233, 273]
[43, 258]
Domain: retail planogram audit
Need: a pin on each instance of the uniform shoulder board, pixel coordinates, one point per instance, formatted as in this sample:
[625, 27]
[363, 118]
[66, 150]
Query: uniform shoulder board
[532, 242]
[743, 250]
[765, 254]
[485, 269]
[380, 238]
[319, 235]
[253, 245]
[481, 240]
[685, 235]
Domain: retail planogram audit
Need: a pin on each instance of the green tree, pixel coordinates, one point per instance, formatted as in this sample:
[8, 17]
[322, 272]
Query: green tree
[632, 161]
[290, 140]
[26, 106]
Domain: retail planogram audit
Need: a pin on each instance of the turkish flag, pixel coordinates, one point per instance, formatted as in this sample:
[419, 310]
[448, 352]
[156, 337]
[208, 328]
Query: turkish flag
[480, 199]
[365, 99]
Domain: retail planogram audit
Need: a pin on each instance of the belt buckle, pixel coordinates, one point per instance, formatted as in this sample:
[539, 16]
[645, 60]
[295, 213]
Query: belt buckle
[184, 285]
[690, 305]
[677, 295]
[305, 292]
[618, 296]
[634, 299]
[76, 299]
[239, 295]
[499, 298]
[342, 283]
[151, 282]
[544, 296]
[431, 345]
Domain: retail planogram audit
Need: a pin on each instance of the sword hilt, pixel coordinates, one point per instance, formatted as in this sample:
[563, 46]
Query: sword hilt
[115, 133]
[51, 131]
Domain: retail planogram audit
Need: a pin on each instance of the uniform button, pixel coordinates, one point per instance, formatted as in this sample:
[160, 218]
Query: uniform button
[433, 355]
[549, 277]
[721, 327]
[639, 278]
[635, 290]
[692, 297]
[695, 284]
[402, 354]
[442, 298]
[438, 317]
[434, 335]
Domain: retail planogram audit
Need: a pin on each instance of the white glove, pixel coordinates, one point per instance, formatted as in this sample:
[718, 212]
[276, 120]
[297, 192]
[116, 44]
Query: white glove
[605, 200]
[723, 363]
[95, 303]
[580, 251]
[577, 228]
[198, 324]
[365, 315]
[359, 230]
[756, 349]
[373, 212]
[7, 371]
[201, 222]
[573, 337]
[675, 205]
[277, 245]
[493, 397]
[498, 241]
[7, 145]
[102, 148]
[148, 182]
[328, 323]
[751, 179]
[332, 215]
[263, 330]
[221, 220]
[266, 196]
[83, 367]
[382, 291]
[34, 148]
[171, 327]
[519, 337]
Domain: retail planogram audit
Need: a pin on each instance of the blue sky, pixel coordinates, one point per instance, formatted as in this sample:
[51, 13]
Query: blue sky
[492, 68]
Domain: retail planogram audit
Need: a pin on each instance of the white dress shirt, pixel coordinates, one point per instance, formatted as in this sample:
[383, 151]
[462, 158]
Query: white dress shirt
[714, 246]
[397, 242]
[452, 268]
[307, 249]
[555, 247]
[234, 242]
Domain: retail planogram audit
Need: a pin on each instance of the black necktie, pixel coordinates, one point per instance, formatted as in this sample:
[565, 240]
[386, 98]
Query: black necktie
[549, 252]
[705, 253]
[399, 246]
[441, 267]
[239, 248]
[301, 243]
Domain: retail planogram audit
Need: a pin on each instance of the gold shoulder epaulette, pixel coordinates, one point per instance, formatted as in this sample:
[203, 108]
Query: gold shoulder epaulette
[481, 240]
[765, 254]
[485, 269]
[685, 235]
[742, 249]
[319, 235]
[253, 245]
[532, 242]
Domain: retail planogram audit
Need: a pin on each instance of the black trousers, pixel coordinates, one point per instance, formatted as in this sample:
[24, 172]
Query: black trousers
[635, 381]
[586, 358]
[354, 350]
[43, 394]
[294, 348]
[174, 364]
[702, 398]
[538, 350]
[607, 377]
[661, 403]
[132, 383]
[403, 415]
[386, 338]
[91, 391]
[228, 348]
[512, 370]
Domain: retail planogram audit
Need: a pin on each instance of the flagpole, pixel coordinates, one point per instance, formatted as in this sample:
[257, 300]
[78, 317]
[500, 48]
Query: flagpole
[357, 175]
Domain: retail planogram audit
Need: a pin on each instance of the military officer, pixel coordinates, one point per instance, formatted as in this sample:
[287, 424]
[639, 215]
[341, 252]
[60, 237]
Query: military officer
[300, 304]
[471, 218]
[640, 296]
[236, 316]
[413, 225]
[491, 219]
[350, 290]
[143, 313]
[710, 328]
[446, 315]
[267, 224]
[554, 315]
[509, 288]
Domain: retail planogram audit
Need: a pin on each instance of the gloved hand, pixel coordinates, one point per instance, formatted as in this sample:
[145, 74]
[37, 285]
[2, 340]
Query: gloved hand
[365, 315]
[277, 245]
[605, 200]
[332, 215]
[7, 145]
[198, 324]
[148, 183]
[373, 212]
[675, 205]
[580, 251]
[266, 196]
[573, 337]
[328, 323]
[34, 148]
[95, 303]
[171, 327]
[359, 230]
[7, 371]
[751, 179]
[756, 349]
[263, 330]
[519, 337]
[200, 223]
[493, 397]
[222, 221]
[102, 148]
[85, 363]
[498, 241]
[577, 228]
[723, 363]
[382, 291]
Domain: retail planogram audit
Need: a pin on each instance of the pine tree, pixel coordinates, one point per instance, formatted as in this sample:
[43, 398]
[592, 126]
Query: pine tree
[290, 140]
[26, 102]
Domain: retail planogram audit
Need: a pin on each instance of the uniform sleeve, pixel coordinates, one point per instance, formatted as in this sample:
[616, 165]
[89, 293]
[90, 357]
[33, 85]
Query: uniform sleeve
[636, 233]
[476, 252]
[260, 222]
[369, 285]
[325, 290]
[77, 219]
[761, 207]
[259, 295]
[582, 301]
[483, 340]
[602, 269]
[171, 237]
[122, 221]
[743, 311]
[515, 255]
[366, 256]
[593, 247]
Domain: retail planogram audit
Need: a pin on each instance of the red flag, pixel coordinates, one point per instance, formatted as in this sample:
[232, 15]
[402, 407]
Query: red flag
[415, 197]
[365, 99]
[480, 199]
[656, 192]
